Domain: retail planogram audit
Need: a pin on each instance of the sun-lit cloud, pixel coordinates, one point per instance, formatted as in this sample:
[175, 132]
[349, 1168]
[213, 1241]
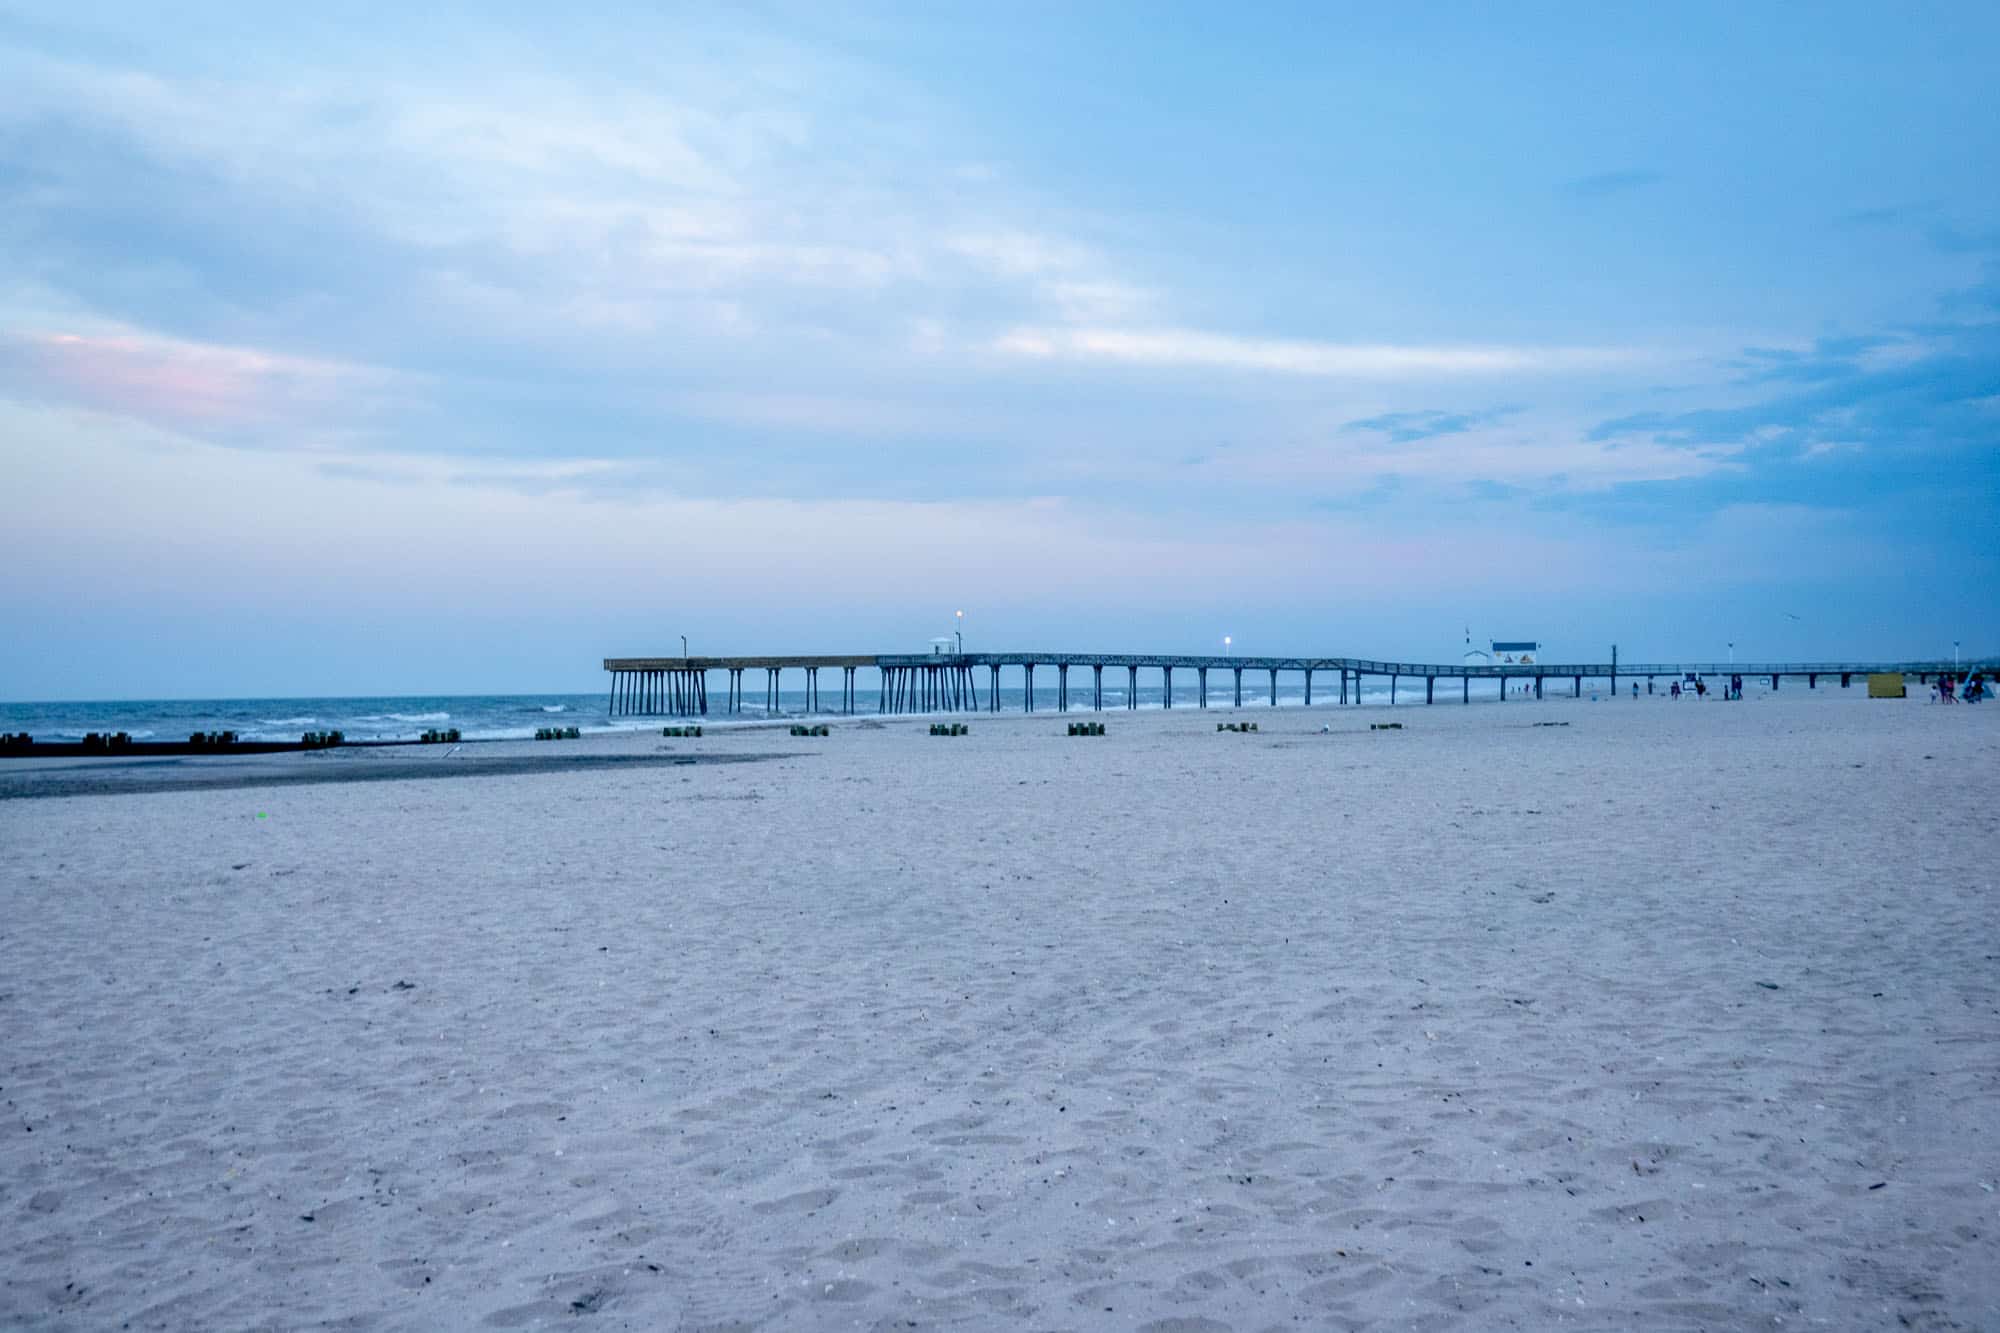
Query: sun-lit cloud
[1191, 348]
[204, 387]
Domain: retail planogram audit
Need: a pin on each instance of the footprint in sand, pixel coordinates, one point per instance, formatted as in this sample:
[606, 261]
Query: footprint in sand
[804, 1202]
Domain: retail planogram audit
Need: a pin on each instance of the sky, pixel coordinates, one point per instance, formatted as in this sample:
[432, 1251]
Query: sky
[357, 351]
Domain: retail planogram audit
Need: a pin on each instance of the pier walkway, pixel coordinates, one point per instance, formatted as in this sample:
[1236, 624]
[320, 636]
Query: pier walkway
[947, 683]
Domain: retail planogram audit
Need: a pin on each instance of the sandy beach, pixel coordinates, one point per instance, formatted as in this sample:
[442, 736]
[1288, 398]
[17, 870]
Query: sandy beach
[1666, 1016]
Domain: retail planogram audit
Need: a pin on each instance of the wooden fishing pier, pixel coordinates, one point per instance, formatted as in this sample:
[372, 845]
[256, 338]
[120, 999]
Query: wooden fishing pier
[950, 683]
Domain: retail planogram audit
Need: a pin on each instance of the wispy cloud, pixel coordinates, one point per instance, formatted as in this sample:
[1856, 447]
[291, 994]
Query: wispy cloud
[1175, 348]
[1409, 427]
[211, 389]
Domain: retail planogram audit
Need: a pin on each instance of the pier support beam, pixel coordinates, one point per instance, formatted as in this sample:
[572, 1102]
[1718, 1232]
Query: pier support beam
[1062, 688]
[1274, 687]
[1202, 674]
[1132, 687]
[1167, 684]
[1465, 689]
[1774, 680]
[1097, 687]
[1028, 689]
[1579, 687]
[1239, 686]
[1309, 687]
[1392, 689]
[1430, 689]
[1538, 687]
[670, 691]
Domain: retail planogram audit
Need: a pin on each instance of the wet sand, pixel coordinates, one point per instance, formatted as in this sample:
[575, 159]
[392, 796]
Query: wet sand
[1679, 1016]
[32, 779]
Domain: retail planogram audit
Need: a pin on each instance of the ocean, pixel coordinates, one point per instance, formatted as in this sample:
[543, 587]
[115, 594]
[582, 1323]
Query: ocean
[517, 716]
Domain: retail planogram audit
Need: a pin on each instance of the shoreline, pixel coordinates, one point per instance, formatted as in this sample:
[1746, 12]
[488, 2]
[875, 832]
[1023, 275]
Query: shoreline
[139, 775]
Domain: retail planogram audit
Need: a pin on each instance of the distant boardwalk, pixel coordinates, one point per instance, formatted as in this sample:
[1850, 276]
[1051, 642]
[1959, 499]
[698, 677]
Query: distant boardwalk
[947, 683]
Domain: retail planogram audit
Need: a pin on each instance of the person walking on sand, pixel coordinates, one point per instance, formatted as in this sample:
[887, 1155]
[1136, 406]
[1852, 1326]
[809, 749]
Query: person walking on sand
[1674, 692]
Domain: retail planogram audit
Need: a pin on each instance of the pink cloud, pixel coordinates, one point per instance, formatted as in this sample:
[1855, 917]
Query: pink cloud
[202, 388]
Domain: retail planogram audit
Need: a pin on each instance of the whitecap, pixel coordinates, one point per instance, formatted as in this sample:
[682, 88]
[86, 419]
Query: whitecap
[555, 708]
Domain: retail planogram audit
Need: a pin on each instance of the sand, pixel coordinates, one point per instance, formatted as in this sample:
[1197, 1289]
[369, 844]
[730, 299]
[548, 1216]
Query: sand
[1676, 1016]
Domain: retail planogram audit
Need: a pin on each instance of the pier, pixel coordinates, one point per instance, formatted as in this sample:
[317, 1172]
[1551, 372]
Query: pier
[950, 683]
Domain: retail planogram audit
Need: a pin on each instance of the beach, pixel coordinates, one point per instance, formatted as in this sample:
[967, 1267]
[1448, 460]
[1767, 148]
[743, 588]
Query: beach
[1601, 1015]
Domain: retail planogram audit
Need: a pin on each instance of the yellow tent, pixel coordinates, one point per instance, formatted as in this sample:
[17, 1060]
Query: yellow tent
[1886, 685]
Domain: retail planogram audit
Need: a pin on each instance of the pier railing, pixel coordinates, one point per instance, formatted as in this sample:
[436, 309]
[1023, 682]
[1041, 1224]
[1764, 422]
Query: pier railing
[924, 683]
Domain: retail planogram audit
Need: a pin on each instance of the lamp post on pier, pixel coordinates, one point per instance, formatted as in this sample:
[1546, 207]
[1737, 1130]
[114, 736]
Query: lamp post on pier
[961, 633]
[684, 647]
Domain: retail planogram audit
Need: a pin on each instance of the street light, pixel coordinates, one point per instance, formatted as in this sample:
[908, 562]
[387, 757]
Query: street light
[684, 647]
[961, 633]
[1954, 654]
[1732, 652]
[1226, 641]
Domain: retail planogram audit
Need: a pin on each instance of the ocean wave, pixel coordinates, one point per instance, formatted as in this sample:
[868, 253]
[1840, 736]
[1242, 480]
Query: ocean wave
[106, 731]
[404, 717]
[555, 708]
[287, 721]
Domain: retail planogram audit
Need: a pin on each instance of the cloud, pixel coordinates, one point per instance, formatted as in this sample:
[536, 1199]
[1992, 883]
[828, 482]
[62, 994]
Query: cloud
[1409, 427]
[1173, 348]
[448, 216]
[1898, 395]
[212, 390]
[1606, 183]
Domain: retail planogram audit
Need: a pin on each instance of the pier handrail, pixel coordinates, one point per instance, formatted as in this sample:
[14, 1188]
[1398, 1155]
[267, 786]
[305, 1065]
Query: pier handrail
[1364, 665]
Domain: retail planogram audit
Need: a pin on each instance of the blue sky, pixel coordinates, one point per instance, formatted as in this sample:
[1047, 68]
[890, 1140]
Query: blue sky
[361, 352]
